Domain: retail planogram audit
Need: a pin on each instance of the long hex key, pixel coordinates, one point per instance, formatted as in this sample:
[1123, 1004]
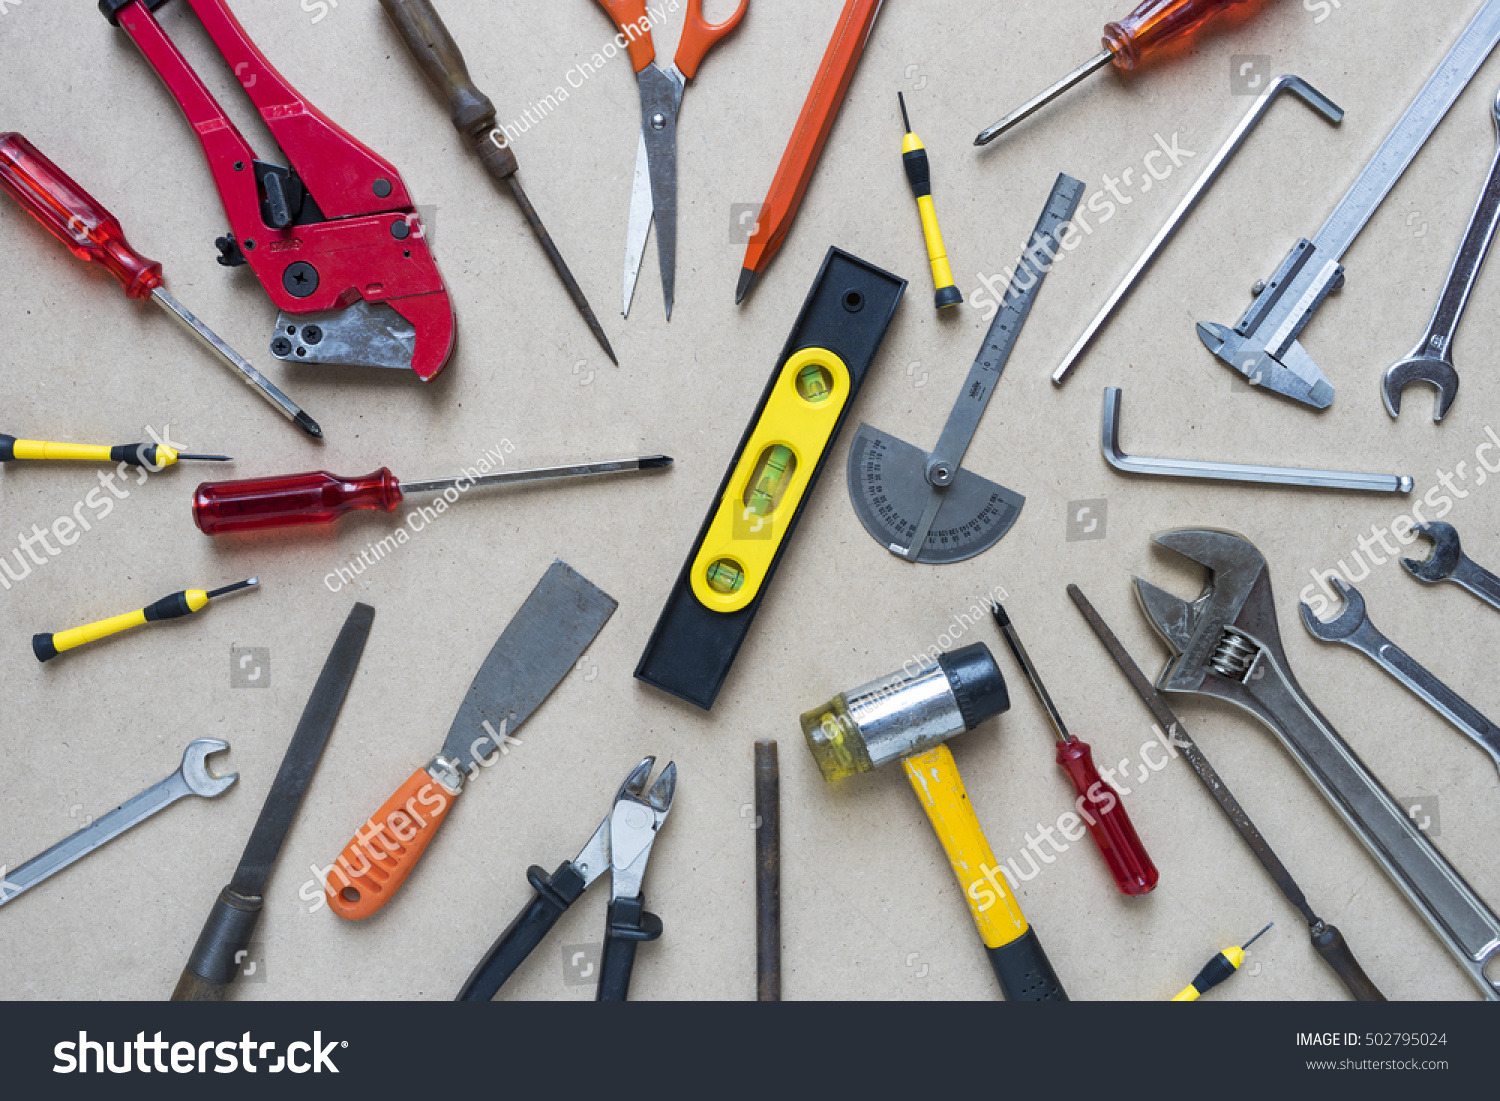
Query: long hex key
[1109, 440]
[1286, 83]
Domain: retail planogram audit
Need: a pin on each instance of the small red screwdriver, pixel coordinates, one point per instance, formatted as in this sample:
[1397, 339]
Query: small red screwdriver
[1098, 803]
[319, 497]
[1151, 27]
[92, 233]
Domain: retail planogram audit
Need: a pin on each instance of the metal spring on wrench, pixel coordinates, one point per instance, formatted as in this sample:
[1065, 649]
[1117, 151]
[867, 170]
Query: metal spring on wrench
[1234, 655]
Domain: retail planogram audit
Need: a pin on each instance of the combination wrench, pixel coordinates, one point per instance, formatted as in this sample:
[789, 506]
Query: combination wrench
[1448, 562]
[1353, 628]
[192, 778]
[1227, 645]
[1432, 359]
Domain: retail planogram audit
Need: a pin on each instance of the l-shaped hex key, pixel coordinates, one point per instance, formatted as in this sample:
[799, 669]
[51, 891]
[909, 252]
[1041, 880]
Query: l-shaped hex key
[1234, 472]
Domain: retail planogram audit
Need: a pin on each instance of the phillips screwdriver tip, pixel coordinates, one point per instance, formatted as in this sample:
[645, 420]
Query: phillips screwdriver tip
[204, 459]
[308, 425]
[248, 583]
[998, 611]
[656, 462]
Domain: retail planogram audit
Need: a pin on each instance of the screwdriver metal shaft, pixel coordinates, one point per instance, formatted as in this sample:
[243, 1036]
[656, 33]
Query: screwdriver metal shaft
[91, 233]
[1151, 27]
[473, 114]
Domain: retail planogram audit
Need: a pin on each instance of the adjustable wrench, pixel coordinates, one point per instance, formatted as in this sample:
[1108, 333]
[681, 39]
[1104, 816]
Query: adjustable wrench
[1432, 359]
[1353, 628]
[1448, 562]
[1227, 645]
[193, 778]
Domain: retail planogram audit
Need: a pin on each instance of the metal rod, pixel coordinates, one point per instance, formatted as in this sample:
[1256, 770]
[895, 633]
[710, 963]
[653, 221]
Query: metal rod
[1036, 103]
[464, 483]
[247, 373]
[767, 872]
[1235, 472]
[1287, 83]
[1018, 649]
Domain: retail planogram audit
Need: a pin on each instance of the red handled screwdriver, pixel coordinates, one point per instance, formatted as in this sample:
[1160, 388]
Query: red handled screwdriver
[319, 497]
[1098, 803]
[91, 233]
[1151, 27]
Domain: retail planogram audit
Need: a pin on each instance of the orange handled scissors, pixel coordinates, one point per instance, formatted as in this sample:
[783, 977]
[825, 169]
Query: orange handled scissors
[654, 195]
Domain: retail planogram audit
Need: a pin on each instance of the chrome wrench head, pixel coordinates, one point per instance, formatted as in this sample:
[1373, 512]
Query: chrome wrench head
[1236, 598]
[1434, 370]
[1342, 626]
[196, 774]
[1446, 554]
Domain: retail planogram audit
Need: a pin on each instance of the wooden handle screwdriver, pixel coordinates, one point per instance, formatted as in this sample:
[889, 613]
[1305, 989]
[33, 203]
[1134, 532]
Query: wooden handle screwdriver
[473, 114]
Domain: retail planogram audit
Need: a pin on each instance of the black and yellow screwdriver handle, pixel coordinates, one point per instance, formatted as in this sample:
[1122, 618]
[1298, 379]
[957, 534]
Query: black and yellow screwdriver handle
[179, 604]
[135, 454]
[919, 173]
[1221, 967]
[1015, 953]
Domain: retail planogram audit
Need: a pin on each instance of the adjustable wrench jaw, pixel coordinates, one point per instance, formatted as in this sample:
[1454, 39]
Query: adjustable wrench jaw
[1225, 642]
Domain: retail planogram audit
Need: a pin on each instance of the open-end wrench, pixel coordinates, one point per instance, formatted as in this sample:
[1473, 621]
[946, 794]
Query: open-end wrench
[1432, 359]
[1227, 645]
[193, 778]
[1353, 628]
[1448, 562]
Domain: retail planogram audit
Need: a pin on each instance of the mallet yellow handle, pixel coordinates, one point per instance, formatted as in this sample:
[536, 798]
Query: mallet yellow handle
[48, 646]
[1016, 955]
[919, 173]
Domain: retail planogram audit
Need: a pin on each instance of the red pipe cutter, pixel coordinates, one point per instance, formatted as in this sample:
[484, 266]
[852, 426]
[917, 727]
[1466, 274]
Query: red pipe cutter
[333, 236]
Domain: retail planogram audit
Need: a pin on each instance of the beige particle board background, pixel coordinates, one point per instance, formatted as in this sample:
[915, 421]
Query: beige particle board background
[870, 908]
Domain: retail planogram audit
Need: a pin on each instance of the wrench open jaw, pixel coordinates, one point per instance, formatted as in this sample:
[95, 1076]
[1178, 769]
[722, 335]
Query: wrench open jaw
[1447, 553]
[1433, 370]
[201, 779]
[1227, 645]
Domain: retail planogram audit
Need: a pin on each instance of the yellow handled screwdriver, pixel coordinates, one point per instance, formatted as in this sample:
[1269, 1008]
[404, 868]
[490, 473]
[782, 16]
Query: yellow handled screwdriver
[1221, 967]
[919, 172]
[48, 646]
[152, 455]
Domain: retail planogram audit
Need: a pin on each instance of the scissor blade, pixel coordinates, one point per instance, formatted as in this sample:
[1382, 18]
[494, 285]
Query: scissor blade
[661, 100]
[639, 227]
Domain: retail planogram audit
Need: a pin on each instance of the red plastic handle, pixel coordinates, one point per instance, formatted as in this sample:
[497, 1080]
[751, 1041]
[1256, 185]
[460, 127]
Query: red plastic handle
[317, 497]
[1157, 23]
[635, 24]
[699, 36]
[73, 216]
[1102, 811]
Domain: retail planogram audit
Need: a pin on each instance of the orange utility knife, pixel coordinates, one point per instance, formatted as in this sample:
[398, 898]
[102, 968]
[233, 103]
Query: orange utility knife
[537, 649]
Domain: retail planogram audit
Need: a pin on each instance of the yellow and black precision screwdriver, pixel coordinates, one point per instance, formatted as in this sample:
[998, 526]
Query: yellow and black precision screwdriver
[919, 172]
[151, 455]
[1225, 964]
[48, 646]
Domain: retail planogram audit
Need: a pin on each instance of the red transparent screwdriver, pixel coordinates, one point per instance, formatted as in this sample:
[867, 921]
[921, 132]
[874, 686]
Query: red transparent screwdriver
[1098, 804]
[259, 504]
[1151, 27]
[92, 233]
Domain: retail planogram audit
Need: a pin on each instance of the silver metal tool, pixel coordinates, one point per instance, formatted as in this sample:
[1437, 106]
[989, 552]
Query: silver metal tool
[1287, 83]
[925, 507]
[1226, 644]
[1109, 441]
[1432, 359]
[1448, 562]
[1353, 628]
[621, 846]
[192, 778]
[1263, 346]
